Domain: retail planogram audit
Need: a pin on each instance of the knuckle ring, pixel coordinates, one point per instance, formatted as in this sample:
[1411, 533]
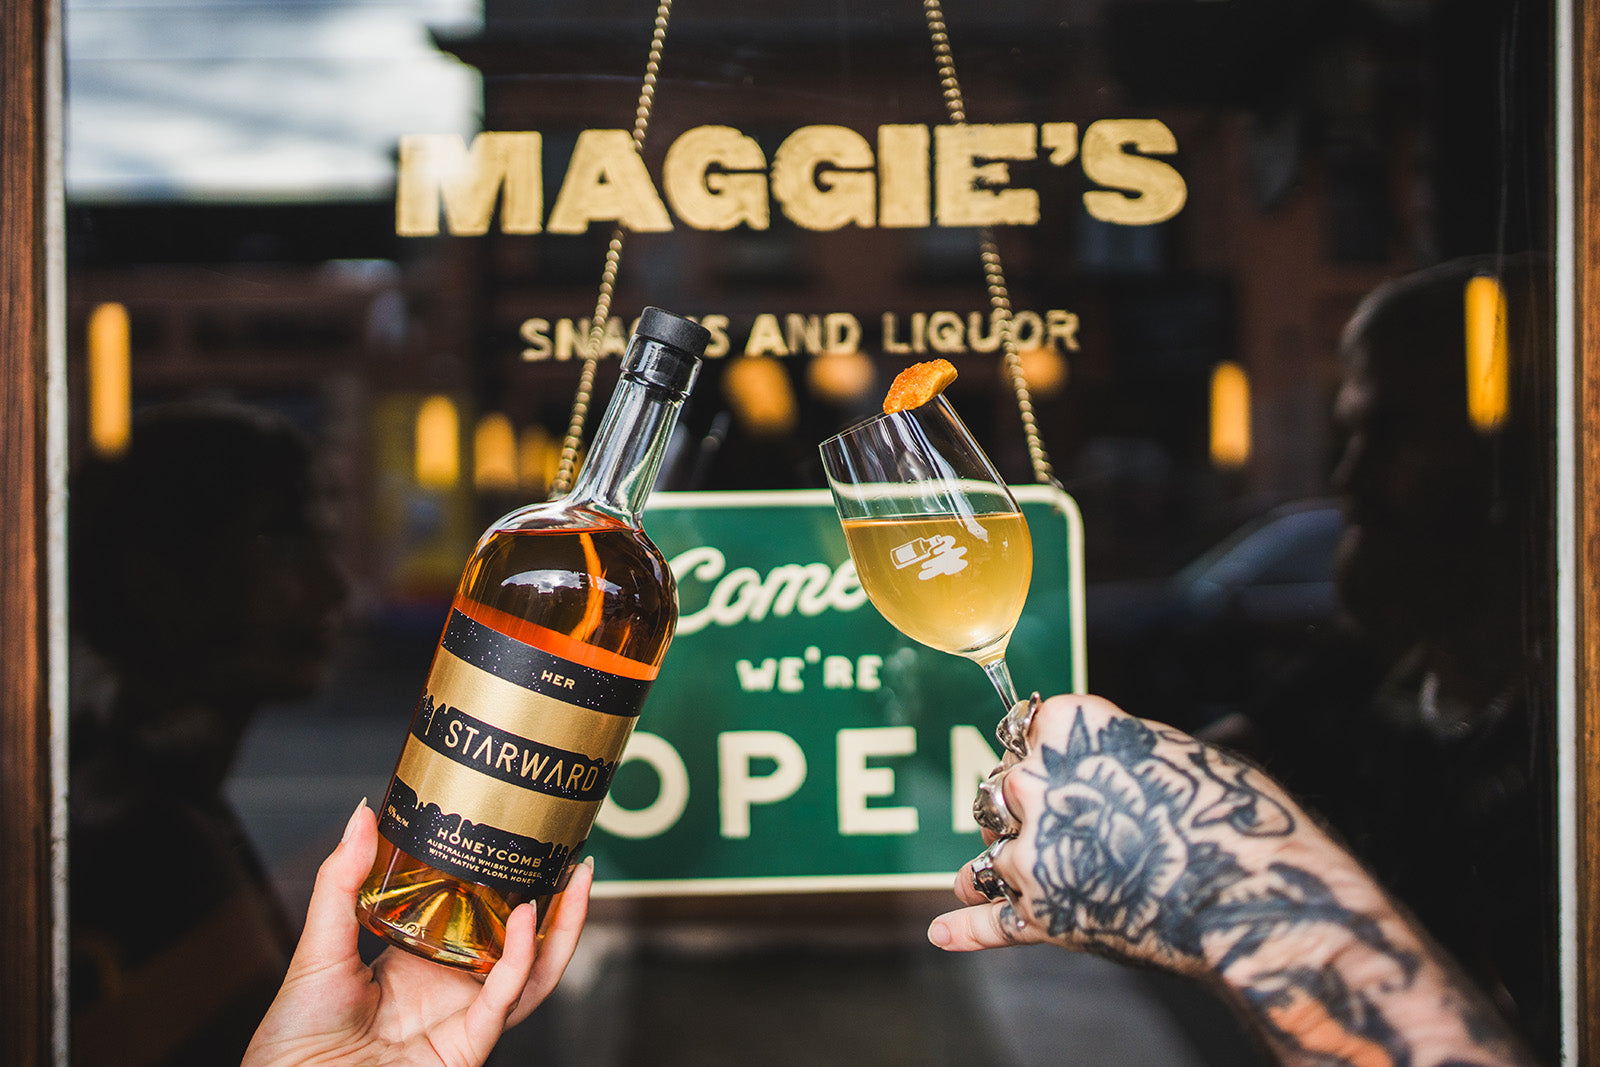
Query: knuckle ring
[1013, 729]
[989, 807]
[986, 880]
[1013, 897]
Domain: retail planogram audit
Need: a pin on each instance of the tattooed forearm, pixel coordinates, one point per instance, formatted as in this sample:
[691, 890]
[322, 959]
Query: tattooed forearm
[1153, 846]
[1313, 1011]
[1294, 898]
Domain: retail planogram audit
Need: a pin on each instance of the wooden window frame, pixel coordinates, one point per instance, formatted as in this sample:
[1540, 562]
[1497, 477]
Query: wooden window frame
[30, 95]
[1584, 825]
[31, 1015]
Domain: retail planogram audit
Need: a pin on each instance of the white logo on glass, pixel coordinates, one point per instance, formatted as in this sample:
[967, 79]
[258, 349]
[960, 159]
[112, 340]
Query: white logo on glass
[938, 555]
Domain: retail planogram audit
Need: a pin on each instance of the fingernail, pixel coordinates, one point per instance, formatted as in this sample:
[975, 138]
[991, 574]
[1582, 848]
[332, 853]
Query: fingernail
[350, 827]
[588, 861]
[939, 934]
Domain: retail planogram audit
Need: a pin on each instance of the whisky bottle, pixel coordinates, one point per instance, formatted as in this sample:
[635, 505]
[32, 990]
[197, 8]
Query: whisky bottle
[555, 633]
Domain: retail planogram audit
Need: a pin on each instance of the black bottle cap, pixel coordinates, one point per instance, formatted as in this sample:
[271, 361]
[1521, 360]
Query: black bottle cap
[666, 350]
[674, 330]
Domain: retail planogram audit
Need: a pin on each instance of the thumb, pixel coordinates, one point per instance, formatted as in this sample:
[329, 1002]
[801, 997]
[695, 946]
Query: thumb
[331, 929]
[993, 924]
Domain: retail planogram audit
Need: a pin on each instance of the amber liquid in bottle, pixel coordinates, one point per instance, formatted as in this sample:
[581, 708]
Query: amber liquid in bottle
[595, 583]
[577, 584]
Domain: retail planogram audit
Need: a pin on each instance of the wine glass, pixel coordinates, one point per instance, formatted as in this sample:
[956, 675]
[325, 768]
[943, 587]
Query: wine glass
[939, 543]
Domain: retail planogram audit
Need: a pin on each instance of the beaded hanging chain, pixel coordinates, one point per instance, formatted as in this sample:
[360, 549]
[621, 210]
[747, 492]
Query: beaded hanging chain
[993, 269]
[608, 276]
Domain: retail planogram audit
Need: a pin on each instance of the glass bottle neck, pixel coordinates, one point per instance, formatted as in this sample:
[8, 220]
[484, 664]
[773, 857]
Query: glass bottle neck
[628, 448]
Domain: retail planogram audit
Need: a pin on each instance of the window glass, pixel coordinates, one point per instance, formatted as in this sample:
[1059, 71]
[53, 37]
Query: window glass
[1247, 246]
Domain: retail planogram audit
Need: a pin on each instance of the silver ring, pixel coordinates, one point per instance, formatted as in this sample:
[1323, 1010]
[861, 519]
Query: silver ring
[1013, 729]
[986, 880]
[989, 807]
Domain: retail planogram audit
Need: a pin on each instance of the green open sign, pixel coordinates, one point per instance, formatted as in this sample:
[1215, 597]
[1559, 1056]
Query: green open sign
[795, 741]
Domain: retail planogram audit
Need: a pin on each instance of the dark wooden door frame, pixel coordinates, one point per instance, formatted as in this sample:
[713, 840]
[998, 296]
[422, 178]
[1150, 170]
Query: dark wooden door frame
[29, 32]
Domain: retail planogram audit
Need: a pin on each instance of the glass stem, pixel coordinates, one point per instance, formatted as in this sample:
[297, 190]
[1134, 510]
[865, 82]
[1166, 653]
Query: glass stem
[1000, 675]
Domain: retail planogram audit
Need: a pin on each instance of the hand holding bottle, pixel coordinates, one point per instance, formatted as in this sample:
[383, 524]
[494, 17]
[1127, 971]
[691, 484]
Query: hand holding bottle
[333, 1008]
[556, 632]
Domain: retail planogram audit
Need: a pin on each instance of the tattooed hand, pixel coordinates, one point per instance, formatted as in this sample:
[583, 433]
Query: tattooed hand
[1141, 843]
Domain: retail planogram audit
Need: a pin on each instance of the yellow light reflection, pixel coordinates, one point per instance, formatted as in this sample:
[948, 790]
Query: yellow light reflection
[438, 458]
[1230, 415]
[1488, 361]
[840, 377]
[539, 458]
[1043, 369]
[494, 454]
[758, 390]
[110, 379]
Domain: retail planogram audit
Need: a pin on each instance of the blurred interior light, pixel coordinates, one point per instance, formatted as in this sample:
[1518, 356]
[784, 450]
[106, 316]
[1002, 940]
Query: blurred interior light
[1488, 360]
[110, 379]
[1043, 368]
[758, 390]
[539, 458]
[1230, 415]
[494, 454]
[438, 443]
[839, 377]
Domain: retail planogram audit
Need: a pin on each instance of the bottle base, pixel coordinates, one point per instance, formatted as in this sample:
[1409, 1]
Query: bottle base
[417, 946]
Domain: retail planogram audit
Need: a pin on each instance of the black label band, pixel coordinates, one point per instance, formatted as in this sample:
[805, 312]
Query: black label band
[509, 757]
[484, 854]
[539, 671]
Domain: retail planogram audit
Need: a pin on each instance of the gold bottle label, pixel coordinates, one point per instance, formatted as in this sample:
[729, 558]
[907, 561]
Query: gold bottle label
[510, 754]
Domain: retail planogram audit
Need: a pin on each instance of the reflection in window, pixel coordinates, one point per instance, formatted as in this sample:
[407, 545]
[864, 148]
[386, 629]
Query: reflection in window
[231, 172]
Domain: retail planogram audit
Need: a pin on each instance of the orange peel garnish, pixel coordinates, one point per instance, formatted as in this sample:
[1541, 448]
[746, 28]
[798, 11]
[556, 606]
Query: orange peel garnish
[918, 384]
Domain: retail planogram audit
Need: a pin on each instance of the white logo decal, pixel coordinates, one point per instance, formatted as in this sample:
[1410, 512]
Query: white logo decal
[938, 555]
